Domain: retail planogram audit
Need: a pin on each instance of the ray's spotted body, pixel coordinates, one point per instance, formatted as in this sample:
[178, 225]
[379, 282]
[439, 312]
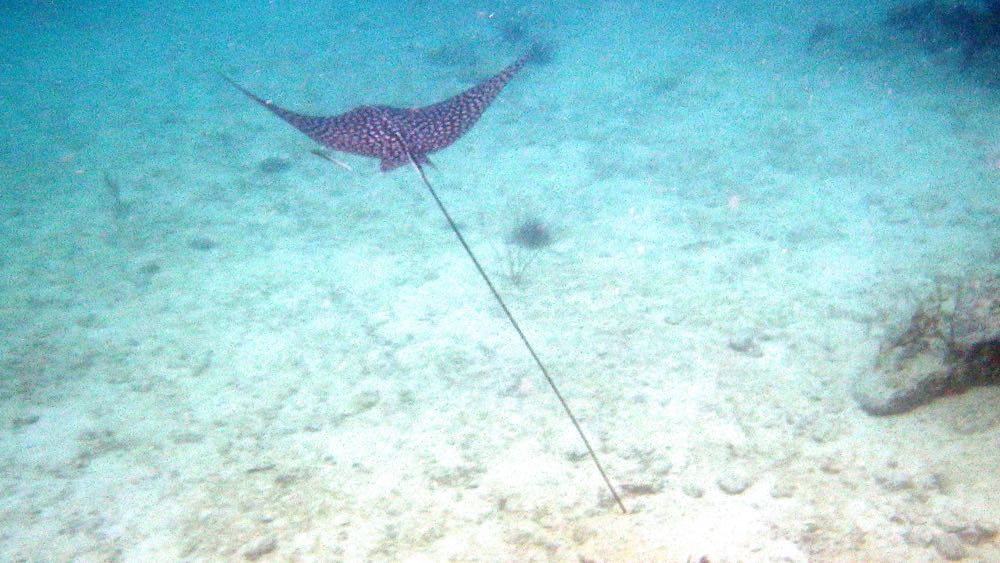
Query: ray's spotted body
[376, 131]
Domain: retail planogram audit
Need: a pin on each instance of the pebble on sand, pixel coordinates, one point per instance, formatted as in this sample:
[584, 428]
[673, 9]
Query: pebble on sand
[733, 482]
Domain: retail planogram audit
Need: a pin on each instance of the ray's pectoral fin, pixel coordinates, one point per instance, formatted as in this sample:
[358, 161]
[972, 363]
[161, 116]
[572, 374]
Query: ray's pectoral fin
[395, 162]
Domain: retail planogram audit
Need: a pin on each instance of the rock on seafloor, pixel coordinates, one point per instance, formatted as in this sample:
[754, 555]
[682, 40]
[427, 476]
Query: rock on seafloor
[950, 344]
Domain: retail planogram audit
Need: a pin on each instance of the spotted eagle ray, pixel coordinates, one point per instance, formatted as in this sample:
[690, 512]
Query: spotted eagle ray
[391, 134]
[399, 136]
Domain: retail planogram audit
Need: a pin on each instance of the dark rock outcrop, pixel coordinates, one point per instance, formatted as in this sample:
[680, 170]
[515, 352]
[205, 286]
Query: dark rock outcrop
[950, 344]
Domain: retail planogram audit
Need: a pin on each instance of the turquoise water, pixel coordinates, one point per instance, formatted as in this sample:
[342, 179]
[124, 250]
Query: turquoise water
[218, 346]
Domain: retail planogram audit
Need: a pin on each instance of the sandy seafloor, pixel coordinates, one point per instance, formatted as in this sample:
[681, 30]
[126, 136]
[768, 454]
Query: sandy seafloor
[301, 365]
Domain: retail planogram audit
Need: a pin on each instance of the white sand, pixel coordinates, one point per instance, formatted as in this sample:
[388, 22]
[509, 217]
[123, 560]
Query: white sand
[332, 381]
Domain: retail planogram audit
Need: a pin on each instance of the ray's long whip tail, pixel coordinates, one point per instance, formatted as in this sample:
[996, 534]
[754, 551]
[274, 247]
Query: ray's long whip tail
[513, 322]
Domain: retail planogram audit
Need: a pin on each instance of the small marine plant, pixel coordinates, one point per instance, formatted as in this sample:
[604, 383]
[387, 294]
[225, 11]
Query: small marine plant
[532, 233]
[523, 244]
